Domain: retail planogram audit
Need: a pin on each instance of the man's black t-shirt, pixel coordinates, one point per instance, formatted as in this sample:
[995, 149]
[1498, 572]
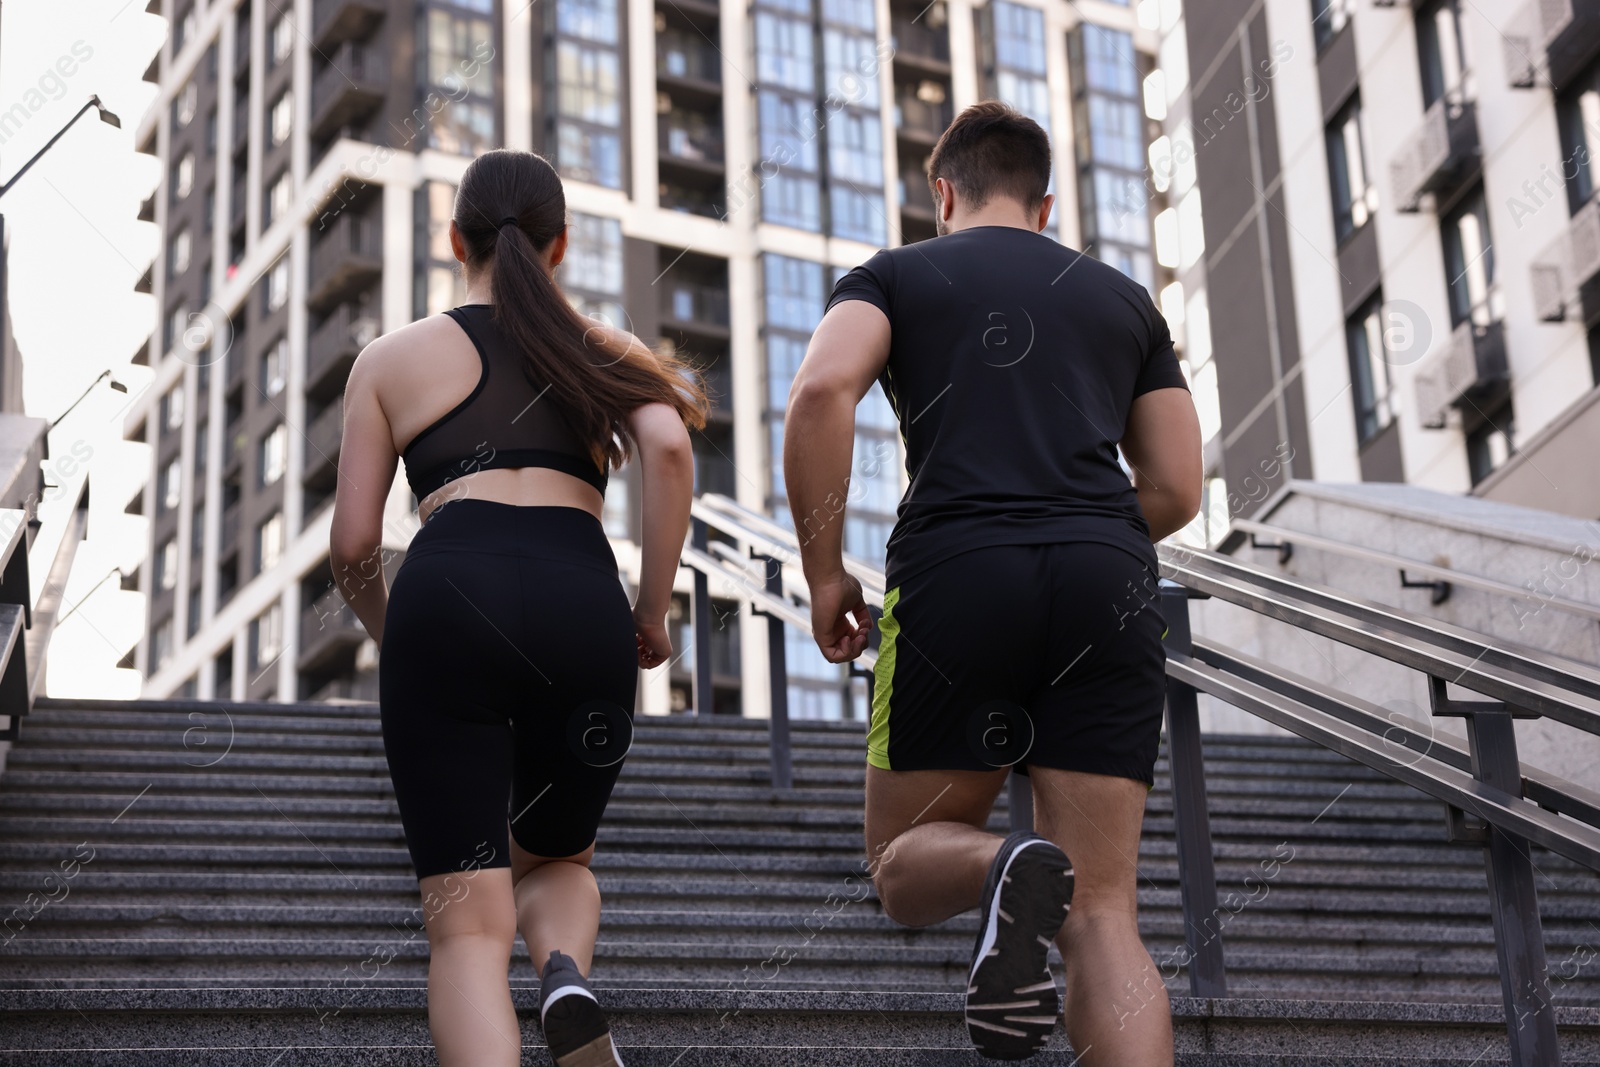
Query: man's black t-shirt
[1012, 366]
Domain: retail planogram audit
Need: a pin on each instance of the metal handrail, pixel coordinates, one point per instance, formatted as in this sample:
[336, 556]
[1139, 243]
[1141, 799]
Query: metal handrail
[1286, 536]
[1517, 806]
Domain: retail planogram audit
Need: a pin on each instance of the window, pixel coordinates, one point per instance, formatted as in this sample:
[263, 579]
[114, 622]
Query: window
[193, 626]
[177, 324]
[280, 199]
[271, 456]
[277, 291]
[183, 176]
[281, 120]
[1441, 50]
[172, 409]
[1491, 443]
[592, 20]
[1114, 214]
[783, 51]
[281, 40]
[1578, 116]
[161, 645]
[594, 255]
[266, 638]
[437, 280]
[274, 361]
[182, 248]
[165, 565]
[171, 485]
[269, 542]
[1369, 369]
[1355, 196]
[185, 104]
[588, 155]
[1328, 17]
[201, 444]
[460, 55]
[1469, 263]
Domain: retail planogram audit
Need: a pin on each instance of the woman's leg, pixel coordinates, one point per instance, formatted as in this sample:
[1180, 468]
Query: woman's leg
[557, 905]
[471, 922]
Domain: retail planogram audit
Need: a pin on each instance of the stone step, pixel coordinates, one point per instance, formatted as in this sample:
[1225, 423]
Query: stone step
[385, 1026]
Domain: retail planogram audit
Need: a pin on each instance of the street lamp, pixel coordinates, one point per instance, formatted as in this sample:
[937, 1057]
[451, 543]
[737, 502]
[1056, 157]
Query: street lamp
[102, 376]
[105, 116]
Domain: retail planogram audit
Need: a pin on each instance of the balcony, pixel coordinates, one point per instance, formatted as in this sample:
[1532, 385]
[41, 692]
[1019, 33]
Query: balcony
[228, 535]
[241, 129]
[1566, 275]
[692, 139]
[1564, 34]
[349, 255]
[348, 89]
[327, 626]
[1468, 367]
[147, 209]
[695, 308]
[323, 438]
[920, 119]
[1438, 155]
[334, 346]
[337, 21]
[687, 63]
[918, 44]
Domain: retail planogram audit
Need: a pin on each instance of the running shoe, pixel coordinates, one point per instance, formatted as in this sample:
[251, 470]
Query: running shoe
[1012, 1003]
[574, 1026]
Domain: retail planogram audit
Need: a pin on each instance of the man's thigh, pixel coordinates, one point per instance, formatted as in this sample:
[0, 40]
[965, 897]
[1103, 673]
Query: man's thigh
[1096, 820]
[897, 801]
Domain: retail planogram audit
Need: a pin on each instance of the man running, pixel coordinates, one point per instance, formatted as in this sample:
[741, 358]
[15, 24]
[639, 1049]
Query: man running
[1021, 624]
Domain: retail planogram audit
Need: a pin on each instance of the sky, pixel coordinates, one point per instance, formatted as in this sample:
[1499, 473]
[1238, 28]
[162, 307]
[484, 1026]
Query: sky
[76, 251]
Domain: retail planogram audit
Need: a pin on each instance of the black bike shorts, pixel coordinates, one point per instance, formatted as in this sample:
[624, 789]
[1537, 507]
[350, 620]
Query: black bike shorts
[506, 683]
[1012, 655]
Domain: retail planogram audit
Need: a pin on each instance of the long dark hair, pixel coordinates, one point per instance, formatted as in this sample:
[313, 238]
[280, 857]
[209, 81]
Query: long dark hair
[598, 375]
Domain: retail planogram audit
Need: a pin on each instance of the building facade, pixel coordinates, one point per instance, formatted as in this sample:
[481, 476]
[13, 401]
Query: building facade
[1401, 234]
[724, 164]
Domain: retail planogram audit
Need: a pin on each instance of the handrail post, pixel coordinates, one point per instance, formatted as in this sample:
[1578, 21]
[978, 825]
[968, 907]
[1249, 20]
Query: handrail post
[700, 620]
[778, 679]
[1191, 821]
[1513, 897]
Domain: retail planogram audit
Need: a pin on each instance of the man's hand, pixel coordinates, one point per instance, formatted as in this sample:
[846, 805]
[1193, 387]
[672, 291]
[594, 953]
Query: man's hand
[834, 605]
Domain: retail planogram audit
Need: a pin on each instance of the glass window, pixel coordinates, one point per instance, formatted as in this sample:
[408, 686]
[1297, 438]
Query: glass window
[589, 155]
[1369, 370]
[589, 84]
[784, 52]
[855, 148]
[1491, 443]
[1578, 115]
[792, 200]
[278, 284]
[594, 255]
[1441, 50]
[274, 363]
[281, 121]
[854, 13]
[850, 65]
[269, 542]
[161, 645]
[272, 454]
[856, 213]
[172, 408]
[1328, 17]
[1019, 36]
[592, 20]
[185, 104]
[1108, 61]
[794, 295]
[281, 41]
[1116, 132]
[182, 247]
[266, 637]
[460, 58]
[789, 131]
[1469, 262]
[280, 198]
[183, 176]
[171, 485]
[1355, 196]
[165, 565]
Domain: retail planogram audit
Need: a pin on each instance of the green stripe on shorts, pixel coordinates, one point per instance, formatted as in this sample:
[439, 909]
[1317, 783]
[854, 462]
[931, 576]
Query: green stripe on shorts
[883, 683]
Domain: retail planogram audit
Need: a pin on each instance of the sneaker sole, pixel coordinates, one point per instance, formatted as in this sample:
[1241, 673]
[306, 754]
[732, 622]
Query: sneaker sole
[1012, 1002]
[576, 1025]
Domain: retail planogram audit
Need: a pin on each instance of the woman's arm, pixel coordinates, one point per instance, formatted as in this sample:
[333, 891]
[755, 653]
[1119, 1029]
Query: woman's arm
[367, 462]
[666, 473]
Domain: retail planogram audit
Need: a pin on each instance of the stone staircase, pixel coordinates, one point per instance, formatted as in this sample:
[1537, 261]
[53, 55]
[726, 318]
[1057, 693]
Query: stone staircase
[194, 884]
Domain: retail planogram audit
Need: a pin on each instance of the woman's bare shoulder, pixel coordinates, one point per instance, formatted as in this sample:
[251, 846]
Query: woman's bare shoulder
[398, 348]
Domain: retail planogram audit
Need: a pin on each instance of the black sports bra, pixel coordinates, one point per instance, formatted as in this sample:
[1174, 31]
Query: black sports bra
[506, 421]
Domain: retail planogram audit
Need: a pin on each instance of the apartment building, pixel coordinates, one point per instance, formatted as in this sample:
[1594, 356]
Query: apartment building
[724, 164]
[1400, 234]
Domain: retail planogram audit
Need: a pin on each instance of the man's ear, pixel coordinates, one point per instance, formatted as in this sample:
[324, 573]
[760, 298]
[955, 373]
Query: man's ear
[458, 246]
[1044, 210]
[947, 198]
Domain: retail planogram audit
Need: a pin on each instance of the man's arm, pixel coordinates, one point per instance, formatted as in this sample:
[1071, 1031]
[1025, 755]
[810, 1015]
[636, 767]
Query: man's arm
[847, 353]
[1162, 445]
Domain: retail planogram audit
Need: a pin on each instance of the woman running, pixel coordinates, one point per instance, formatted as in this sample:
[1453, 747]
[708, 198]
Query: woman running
[510, 655]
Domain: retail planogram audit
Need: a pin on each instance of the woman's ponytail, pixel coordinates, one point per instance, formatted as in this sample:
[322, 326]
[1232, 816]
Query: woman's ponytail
[510, 207]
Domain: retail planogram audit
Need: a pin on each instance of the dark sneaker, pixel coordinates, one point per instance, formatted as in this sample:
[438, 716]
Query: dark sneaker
[574, 1026]
[1012, 1003]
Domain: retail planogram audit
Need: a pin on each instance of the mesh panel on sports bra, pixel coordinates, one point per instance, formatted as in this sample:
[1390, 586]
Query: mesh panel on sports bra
[505, 421]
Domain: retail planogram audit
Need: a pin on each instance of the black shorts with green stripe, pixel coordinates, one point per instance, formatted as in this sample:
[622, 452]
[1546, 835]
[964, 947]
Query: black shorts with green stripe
[1018, 655]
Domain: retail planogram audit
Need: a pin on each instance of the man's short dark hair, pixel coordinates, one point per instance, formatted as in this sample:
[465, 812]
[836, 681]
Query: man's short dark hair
[990, 150]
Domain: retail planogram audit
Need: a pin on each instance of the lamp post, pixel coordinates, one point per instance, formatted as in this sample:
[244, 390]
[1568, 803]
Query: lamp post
[102, 376]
